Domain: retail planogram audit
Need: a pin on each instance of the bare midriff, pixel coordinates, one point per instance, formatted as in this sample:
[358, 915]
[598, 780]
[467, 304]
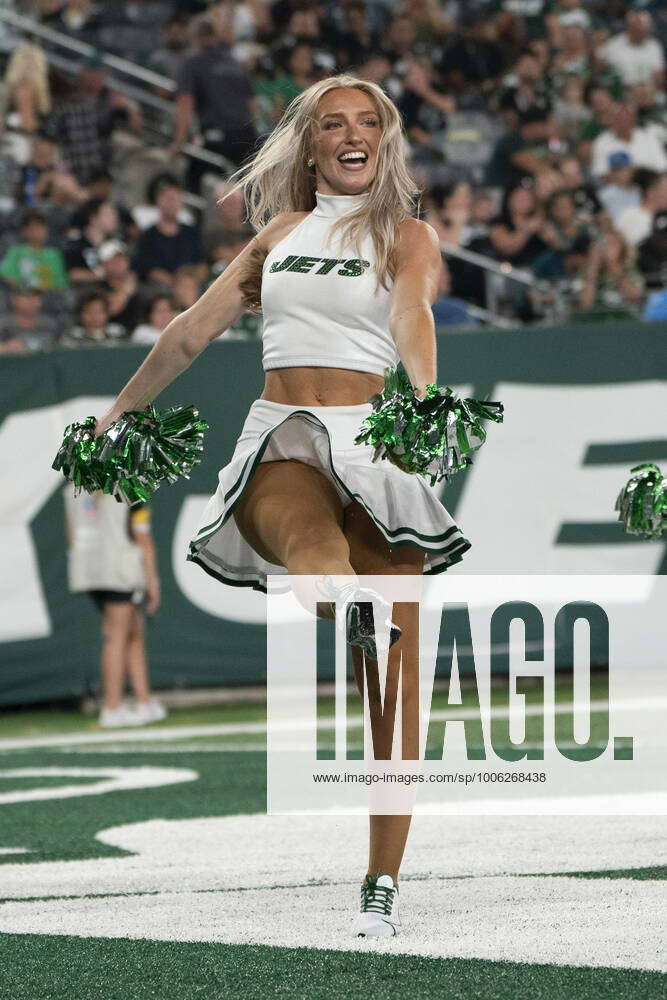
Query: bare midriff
[320, 386]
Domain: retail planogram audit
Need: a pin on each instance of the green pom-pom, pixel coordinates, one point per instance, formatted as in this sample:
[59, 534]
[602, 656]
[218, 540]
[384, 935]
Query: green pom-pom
[433, 437]
[642, 503]
[135, 454]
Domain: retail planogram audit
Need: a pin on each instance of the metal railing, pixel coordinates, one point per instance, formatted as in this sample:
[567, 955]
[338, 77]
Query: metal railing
[125, 68]
[497, 274]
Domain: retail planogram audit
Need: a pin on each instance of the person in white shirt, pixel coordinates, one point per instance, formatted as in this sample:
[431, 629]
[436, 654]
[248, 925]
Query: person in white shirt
[158, 315]
[635, 223]
[641, 144]
[619, 191]
[634, 54]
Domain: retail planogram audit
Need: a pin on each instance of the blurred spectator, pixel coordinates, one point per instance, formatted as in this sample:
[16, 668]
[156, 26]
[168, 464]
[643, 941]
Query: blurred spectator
[641, 144]
[186, 287]
[565, 14]
[448, 311]
[147, 214]
[399, 40]
[574, 55]
[100, 186]
[120, 284]
[619, 191]
[635, 54]
[78, 18]
[651, 109]
[168, 245]
[238, 19]
[430, 18]
[586, 201]
[525, 89]
[99, 220]
[424, 109]
[356, 39]
[518, 234]
[656, 306]
[82, 123]
[635, 223]
[527, 151]
[31, 262]
[225, 249]
[652, 253]
[611, 283]
[226, 125]
[299, 73]
[158, 314]
[569, 239]
[450, 216]
[482, 211]
[25, 328]
[472, 59]
[27, 85]
[601, 104]
[93, 328]
[44, 178]
[226, 215]
[570, 109]
[169, 59]
[376, 68]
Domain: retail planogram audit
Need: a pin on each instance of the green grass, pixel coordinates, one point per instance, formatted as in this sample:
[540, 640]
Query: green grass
[63, 968]
[40, 722]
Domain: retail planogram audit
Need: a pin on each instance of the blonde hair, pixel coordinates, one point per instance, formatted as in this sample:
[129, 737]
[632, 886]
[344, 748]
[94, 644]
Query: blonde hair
[278, 178]
[28, 65]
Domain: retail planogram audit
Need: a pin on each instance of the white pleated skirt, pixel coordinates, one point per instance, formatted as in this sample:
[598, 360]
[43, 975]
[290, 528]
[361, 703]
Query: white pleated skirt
[404, 507]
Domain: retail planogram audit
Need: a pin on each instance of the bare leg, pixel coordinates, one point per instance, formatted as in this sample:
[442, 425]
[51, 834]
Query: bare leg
[137, 664]
[388, 833]
[292, 516]
[116, 626]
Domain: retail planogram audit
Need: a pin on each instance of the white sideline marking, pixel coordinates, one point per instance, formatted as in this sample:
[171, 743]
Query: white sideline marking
[237, 728]
[15, 850]
[113, 779]
[238, 879]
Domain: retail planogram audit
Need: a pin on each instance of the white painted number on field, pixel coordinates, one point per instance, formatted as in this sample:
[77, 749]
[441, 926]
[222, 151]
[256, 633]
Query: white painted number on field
[111, 779]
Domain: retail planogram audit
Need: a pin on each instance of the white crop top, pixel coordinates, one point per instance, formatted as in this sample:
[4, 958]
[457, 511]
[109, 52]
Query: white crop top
[320, 302]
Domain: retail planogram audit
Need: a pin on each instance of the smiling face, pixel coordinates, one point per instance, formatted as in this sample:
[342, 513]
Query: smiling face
[345, 142]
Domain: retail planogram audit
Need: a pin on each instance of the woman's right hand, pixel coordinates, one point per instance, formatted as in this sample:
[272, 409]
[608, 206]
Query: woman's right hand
[104, 422]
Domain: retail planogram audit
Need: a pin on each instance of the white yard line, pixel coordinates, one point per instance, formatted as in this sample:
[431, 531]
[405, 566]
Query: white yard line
[238, 728]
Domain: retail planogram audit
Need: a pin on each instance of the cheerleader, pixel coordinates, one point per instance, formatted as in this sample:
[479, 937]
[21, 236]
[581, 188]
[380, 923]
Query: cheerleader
[345, 278]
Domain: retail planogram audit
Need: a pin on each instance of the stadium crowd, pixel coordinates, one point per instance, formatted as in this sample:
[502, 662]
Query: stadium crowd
[537, 132]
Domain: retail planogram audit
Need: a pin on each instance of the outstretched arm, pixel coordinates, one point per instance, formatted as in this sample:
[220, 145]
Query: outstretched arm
[415, 289]
[186, 337]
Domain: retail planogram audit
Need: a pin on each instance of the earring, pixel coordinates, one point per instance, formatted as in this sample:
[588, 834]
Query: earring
[310, 161]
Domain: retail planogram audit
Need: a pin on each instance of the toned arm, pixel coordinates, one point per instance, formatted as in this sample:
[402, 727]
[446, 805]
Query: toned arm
[416, 280]
[190, 332]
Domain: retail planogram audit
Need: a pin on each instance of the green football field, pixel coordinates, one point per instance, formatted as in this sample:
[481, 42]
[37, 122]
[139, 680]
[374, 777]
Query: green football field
[143, 865]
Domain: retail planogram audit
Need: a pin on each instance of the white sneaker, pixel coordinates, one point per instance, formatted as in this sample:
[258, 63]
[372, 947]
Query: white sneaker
[378, 914]
[149, 711]
[116, 718]
[353, 608]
